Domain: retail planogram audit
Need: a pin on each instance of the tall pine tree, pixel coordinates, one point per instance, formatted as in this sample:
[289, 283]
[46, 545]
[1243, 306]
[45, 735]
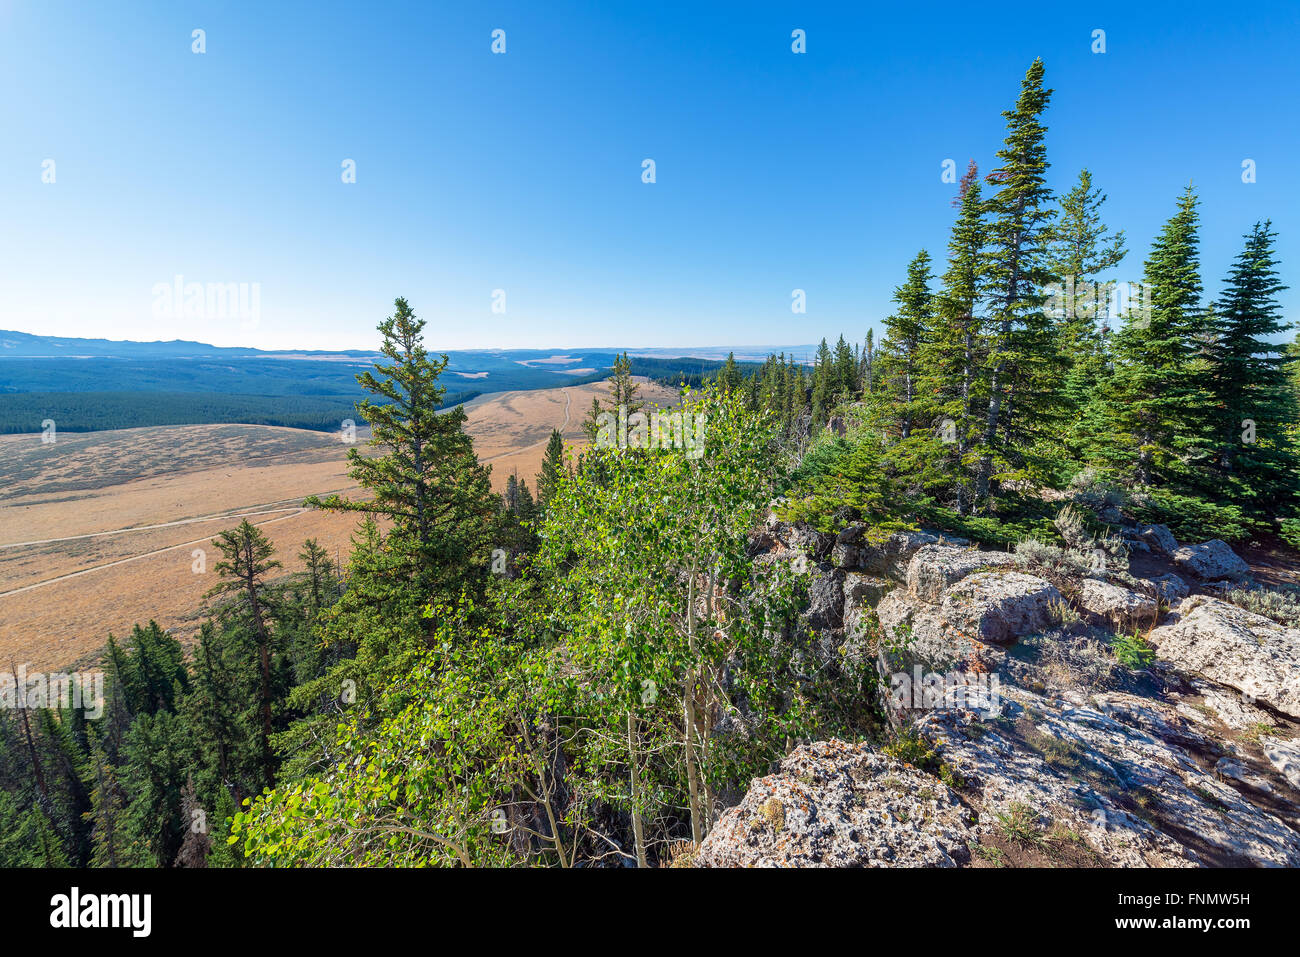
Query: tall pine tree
[1022, 366]
[1253, 401]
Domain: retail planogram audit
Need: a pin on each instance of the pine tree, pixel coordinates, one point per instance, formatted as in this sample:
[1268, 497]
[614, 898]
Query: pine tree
[729, 375]
[866, 375]
[823, 397]
[623, 388]
[897, 407]
[214, 714]
[316, 575]
[244, 569]
[1022, 366]
[1156, 405]
[1082, 248]
[591, 424]
[196, 845]
[553, 468]
[1252, 399]
[845, 374]
[429, 482]
[107, 808]
[951, 356]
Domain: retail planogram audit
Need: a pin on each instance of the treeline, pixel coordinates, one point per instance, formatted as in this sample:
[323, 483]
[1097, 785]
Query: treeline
[100, 411]
[1005, 374]
[678, 372]
[153, 775]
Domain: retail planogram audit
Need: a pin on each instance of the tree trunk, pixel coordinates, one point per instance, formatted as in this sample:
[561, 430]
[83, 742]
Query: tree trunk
[638, 831]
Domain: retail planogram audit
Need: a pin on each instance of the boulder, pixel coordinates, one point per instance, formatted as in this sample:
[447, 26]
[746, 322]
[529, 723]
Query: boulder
[1169, 588]
[1157, 538]
[1233, 647]
[1000, 606]
[1212, 561]
[855, 550]
[934, 568]
[783, 536]
[1117, 770]
[834, 804]
[1234, 769]
[1122, 607]
[915, 635]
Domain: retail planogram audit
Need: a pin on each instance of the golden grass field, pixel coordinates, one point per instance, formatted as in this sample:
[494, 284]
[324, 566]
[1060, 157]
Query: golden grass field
[98, 530]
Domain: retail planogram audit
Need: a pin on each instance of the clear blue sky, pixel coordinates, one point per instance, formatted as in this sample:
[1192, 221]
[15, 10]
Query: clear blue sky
[522, 171]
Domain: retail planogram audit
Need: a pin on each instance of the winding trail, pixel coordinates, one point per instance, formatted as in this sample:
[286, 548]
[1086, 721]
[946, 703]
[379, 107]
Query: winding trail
[525, 448]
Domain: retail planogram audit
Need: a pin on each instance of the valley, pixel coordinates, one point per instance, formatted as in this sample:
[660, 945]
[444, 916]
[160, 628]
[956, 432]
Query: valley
[99, 530]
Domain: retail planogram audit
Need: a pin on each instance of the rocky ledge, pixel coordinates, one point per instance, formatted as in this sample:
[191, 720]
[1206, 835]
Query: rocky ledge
[1043, 711]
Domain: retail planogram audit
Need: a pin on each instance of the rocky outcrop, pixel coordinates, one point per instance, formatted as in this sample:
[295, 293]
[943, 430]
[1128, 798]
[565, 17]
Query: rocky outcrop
[933, 568]
[916, 634]
[999, 607]
[825, 600]
[833, 804]
[1031, 740]
[858, 548]
[1284, 756]
[1212, 561]
[1230, 646]
[1125, 774]
[862, 593]
[1169, 588]
[1124, 608]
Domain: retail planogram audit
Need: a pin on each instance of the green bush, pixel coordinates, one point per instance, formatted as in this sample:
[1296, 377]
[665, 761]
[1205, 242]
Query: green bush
[1194, 518]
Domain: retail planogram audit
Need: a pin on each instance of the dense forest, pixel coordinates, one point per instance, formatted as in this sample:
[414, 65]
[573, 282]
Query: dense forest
[587, 671]
[298, 394]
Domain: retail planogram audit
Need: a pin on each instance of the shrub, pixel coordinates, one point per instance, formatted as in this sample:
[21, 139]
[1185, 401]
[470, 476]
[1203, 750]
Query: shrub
[1093, 491]
[1283, 606]
[1193, 518]
[1132, 651]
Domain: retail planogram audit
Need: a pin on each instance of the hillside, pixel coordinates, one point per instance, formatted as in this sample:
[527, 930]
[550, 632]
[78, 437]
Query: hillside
[99, 528]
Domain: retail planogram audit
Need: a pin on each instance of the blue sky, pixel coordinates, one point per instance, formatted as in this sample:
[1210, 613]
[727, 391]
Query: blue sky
[522, 171]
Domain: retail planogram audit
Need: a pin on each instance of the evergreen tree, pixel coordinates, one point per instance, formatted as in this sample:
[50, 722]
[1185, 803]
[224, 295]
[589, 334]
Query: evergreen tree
[428, 482]
[868, 362]
[1156, 402]
[623, 388]
[1022, 366]
[553, 467]
[897, 406]
[951, 356]
[845, 374]
[107, 808]
[729, 375]
[317, 575]
[1252, 398]
[1082, 248]
[244, 568]
[823, 398]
